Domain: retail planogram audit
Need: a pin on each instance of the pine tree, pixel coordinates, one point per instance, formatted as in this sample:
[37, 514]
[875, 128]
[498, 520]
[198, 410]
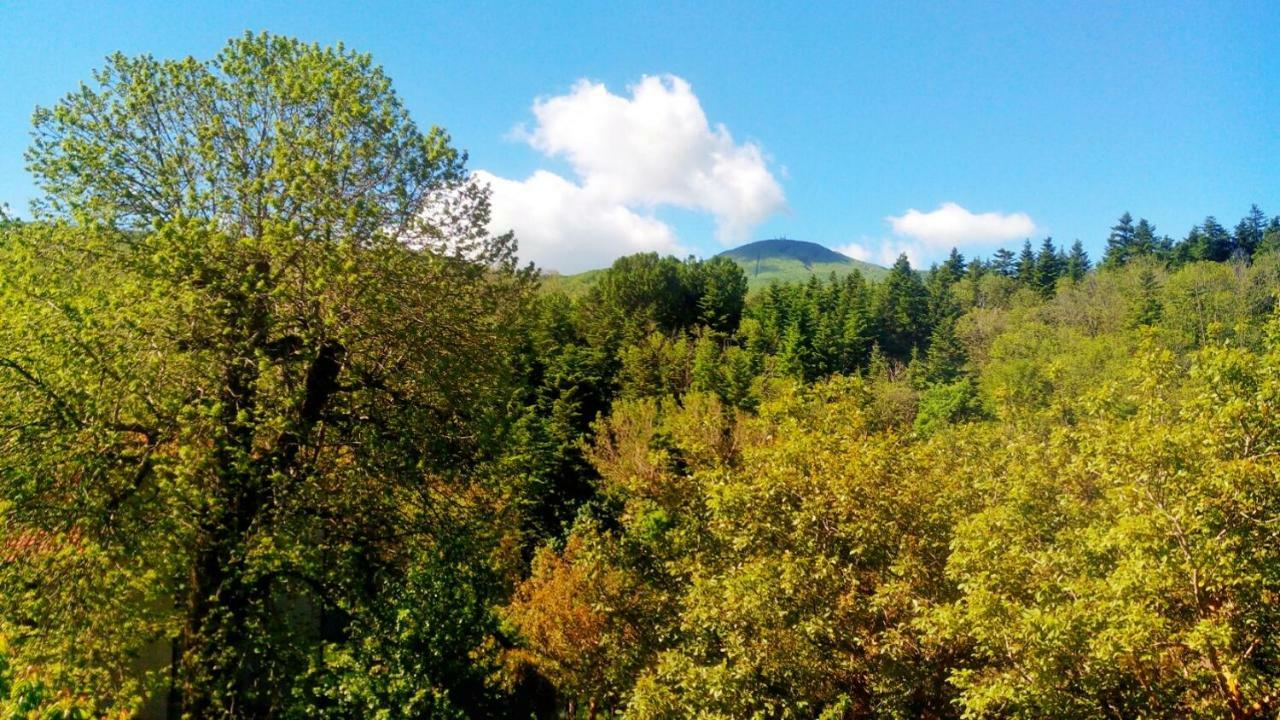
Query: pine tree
[1250, 230]
[1191, 248]
[1144, 240]
[1049, 267]
[721, 289]
[1027, 265]
[1216, 243]
[1077, 262]
[1146, 308]
[1207, 241]
[1119, 242]
[1002, 262]
[944, 359]
[976, 269]
[954, 266]
[706, 366]
[902, 309]
[856, 327]
[793, 358]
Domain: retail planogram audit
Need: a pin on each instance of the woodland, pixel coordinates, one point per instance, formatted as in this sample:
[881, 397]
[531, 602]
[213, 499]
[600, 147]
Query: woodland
[286, 431]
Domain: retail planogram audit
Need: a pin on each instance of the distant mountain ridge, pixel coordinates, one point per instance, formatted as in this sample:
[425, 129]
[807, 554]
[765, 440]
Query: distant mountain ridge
[786, 260]
[763, 261]
[802, 250]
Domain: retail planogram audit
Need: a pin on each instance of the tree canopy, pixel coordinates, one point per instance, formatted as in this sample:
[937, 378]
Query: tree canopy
[286, 431]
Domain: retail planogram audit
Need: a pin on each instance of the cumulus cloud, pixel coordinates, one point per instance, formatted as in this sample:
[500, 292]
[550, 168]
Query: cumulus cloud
[953, 225]
[926, 236]
[631, 156]
[562, 226]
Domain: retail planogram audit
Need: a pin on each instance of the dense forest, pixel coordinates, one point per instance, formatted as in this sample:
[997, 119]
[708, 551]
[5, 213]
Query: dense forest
[285, 431]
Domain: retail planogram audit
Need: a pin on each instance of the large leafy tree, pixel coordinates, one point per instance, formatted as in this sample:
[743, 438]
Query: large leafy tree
[248, 366]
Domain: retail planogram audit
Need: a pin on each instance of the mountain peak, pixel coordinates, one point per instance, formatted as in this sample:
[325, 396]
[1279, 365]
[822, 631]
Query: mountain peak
[803, 251]
[787, 260]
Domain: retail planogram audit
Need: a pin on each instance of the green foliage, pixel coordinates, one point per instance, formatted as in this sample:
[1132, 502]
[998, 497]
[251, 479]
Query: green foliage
[944, 405]
[900, 310]
[284, 432]
[262, 340]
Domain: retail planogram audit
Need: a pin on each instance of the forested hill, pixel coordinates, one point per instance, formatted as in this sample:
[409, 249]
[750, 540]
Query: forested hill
[763, 261]
[784, 260]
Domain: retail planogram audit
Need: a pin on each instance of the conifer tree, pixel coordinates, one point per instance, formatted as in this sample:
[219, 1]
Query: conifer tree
[1144, 240]
[1146, 308]
[944, 359]
[1077, 262]
[1214, 243]
[1119, 242]
[1027, 265]
[953, 267]
[1002, 262]
[1250, 230]
[1271, 236]
[902, 309]
[1049, 267]
[976, 269]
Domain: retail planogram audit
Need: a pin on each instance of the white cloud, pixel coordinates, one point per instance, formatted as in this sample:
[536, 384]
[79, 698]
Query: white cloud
[631, 156]
[885, 251]
[563, 226]
[953, 226]
[927, 236]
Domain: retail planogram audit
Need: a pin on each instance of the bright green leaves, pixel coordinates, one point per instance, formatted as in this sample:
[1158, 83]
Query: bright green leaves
[270, 131]
[250, 381]
[1123, 565]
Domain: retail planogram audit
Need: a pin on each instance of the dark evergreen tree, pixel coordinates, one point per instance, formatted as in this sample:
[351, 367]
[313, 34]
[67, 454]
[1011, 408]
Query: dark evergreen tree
[1144, 240]
[857, 332]
[721, 288]
[953, 267]
[1189, 249]
[643, 289]
[1119, 242]
[943, 303]
[1208, 241]
[1250, 230]
[902, 308]
[1027, 265]
[976, 269]
[1002, 262]
[1077, 262]
[1049, 267]
[945, 358]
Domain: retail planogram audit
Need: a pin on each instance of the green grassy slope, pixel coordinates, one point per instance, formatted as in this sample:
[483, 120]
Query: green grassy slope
[794, 261]
[574, 286]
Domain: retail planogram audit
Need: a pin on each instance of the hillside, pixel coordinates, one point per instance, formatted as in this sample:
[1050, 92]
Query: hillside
[764, 261]
[574, 286]
[786, 260]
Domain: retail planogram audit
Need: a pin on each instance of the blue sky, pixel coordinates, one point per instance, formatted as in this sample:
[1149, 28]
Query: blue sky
[827, 123]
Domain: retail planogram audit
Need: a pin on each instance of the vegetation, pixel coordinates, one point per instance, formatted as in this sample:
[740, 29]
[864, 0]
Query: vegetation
[764, 262]
[285, 432]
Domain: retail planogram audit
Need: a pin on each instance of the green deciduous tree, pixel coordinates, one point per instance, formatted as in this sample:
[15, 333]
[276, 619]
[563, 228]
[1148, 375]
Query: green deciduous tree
[251, 365]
